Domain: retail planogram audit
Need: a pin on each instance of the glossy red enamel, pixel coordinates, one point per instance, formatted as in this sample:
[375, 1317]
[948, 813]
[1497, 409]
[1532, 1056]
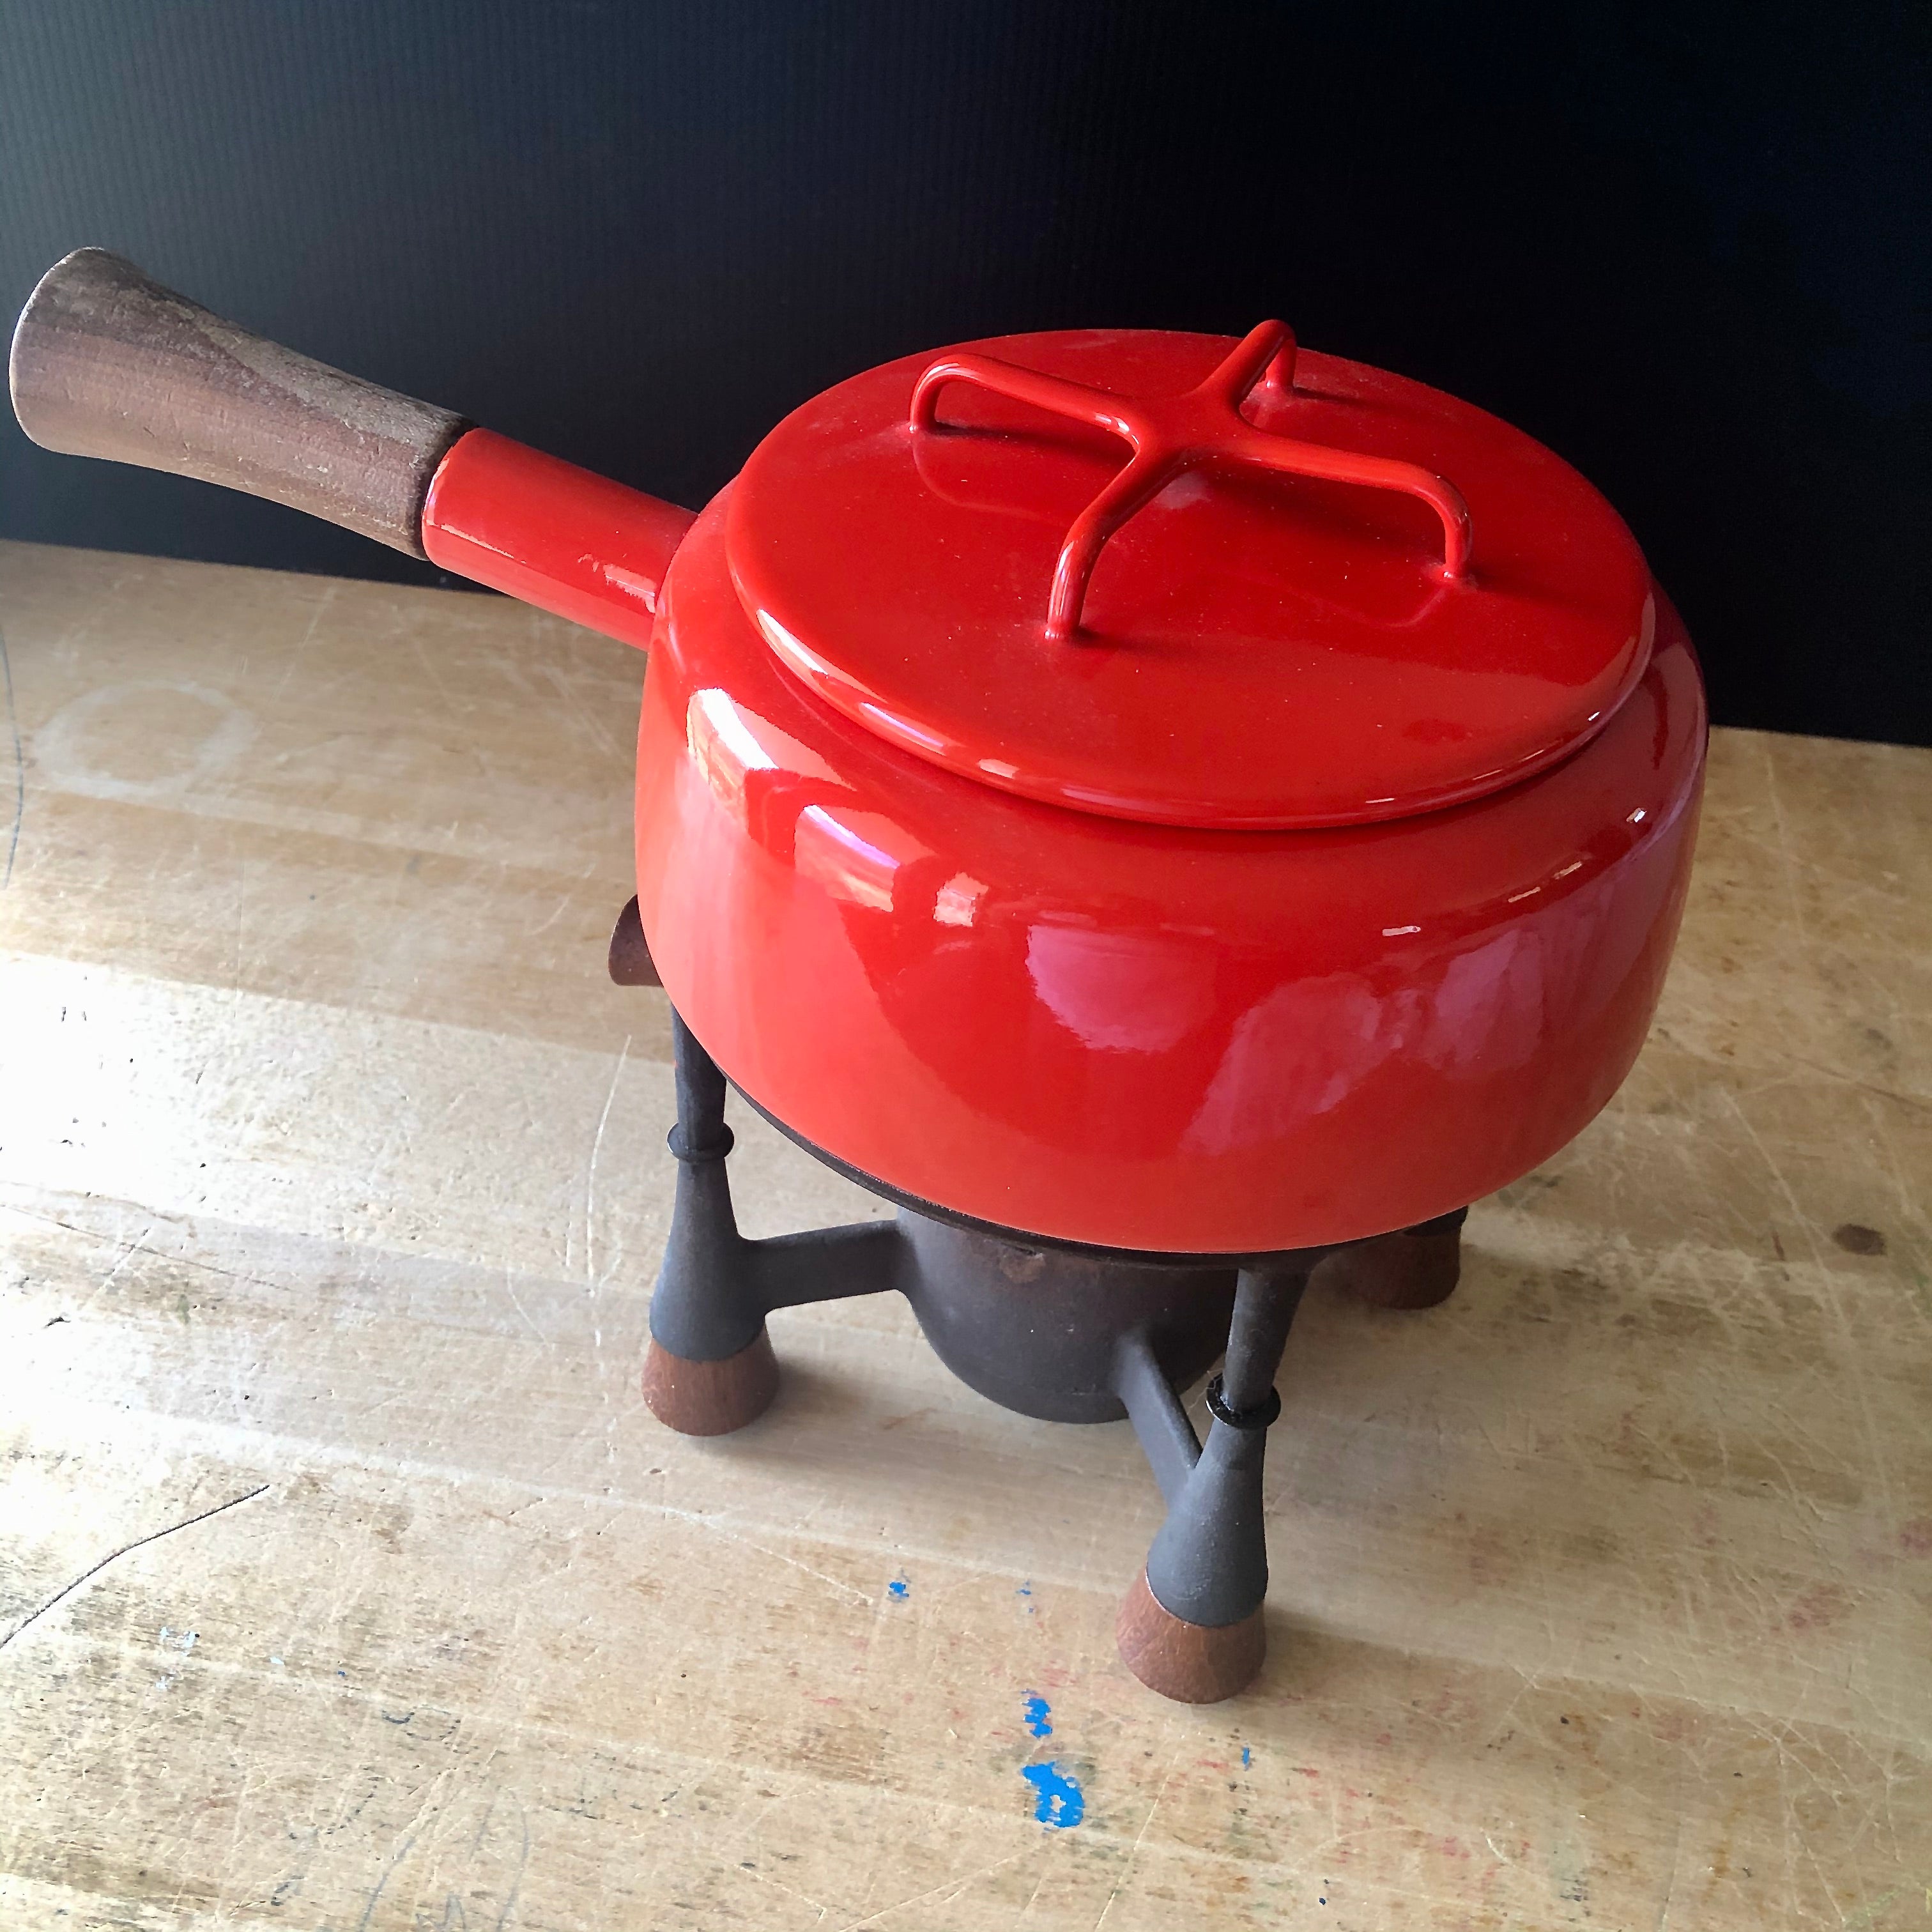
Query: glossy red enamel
[1254, 650]
[559, 537]
[1140, 1035]
[1137, 1034]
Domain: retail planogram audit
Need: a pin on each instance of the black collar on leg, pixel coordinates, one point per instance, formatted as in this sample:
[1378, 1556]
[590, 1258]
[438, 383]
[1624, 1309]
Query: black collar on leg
[696, 1157]
[1259, 1417]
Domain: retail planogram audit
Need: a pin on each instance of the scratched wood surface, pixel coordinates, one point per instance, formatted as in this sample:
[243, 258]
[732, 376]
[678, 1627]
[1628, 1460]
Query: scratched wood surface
[345, 1583]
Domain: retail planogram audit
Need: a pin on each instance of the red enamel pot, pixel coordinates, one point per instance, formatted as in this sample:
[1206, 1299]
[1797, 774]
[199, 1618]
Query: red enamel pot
[1137, 789]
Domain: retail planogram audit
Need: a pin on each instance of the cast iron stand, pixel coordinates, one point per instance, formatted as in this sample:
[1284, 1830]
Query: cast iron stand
[1051, 1329]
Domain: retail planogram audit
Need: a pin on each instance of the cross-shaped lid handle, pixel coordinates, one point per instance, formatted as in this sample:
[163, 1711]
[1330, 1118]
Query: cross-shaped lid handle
[1263, 613]
[1170, 435]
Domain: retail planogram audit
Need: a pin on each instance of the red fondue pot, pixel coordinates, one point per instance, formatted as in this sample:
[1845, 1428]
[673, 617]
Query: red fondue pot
[1166, 811]
[1133, 787]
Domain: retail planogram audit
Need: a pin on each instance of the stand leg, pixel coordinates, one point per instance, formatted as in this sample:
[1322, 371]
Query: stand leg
[1191, 1627]
[1416, 1268]
[709, 1368]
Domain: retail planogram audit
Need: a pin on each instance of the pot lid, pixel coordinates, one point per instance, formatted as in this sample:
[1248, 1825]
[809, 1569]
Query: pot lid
[1174, 578]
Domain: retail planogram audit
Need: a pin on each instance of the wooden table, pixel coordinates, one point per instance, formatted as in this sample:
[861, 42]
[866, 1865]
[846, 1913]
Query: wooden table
[347, 1583]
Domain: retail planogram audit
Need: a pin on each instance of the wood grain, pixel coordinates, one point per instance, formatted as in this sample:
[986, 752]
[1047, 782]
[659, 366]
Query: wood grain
[1192, 1663]
[711, 1398]
[106, 363]
[331, 1159]
[1400, 1270]
[629, 962]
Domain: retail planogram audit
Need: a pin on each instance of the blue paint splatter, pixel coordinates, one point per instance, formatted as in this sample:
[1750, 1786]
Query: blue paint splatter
[1061, 1803]
[1025, 1590]
[1037, 1717]
[898, 1587]
[1247, 1757]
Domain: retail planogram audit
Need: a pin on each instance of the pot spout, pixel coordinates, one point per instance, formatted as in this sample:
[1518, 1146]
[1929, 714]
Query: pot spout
[108, 363]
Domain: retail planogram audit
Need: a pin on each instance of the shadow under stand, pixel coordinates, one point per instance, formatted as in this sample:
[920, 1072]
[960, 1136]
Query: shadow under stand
[1065, 1334]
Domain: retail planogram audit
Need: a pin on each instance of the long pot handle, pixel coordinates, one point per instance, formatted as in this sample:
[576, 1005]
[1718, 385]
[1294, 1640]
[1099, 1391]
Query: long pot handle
[107, 363]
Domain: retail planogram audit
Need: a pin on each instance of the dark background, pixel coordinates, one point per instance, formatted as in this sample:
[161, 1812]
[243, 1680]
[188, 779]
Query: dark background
[1687, 245]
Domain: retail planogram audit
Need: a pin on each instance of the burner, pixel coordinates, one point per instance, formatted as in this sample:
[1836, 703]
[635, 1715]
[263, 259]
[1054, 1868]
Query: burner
[1065, 1334]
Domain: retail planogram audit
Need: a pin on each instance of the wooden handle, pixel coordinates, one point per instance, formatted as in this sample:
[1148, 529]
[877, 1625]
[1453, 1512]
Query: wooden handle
[106, 363]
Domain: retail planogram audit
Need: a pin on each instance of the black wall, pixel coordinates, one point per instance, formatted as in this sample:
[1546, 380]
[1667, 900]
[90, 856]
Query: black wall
[1687, 246]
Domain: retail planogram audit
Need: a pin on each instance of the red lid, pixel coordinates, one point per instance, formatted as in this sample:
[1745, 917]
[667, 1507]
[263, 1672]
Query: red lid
[1168, 578]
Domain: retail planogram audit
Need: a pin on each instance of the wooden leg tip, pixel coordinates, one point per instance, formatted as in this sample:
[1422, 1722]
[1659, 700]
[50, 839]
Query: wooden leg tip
[1398, 1271]
[629, 958]
[1192, 1663]
[711, 1398]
